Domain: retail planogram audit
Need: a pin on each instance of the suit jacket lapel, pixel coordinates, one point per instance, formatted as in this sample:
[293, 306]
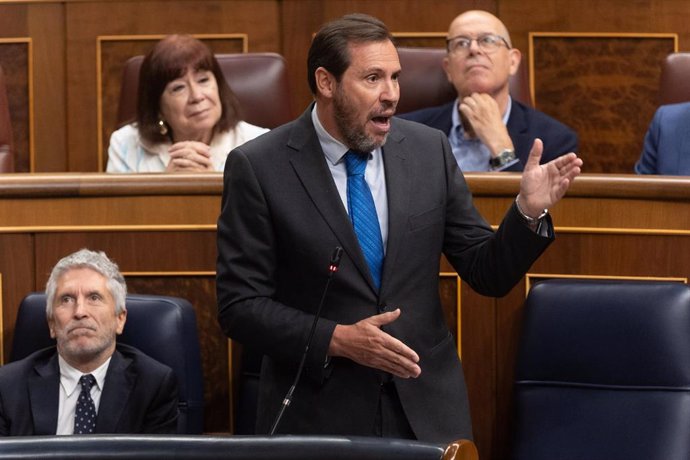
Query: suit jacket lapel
[309, 163]
[517, 129]
[119, 382]
[398, 191]
[444, 118]
[44, 396]
[683, 147]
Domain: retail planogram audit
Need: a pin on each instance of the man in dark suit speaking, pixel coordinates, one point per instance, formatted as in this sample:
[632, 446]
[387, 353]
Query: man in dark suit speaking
[87, 384]
[389, 192]
[487, 129]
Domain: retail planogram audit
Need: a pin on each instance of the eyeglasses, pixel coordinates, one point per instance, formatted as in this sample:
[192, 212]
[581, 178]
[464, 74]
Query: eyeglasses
[487, 43]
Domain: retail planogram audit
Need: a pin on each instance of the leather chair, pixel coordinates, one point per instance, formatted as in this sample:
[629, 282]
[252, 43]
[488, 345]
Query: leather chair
[6, 151]
[423, 82]
[230, 447]
[162, 327]
[674, 84]
[259, 80]
[603, 372]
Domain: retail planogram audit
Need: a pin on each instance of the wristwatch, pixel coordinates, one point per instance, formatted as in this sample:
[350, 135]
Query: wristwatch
[531, 221]
[502, 159]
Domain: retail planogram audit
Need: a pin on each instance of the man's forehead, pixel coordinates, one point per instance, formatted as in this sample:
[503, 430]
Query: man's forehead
[475, 23]
[78, 275]
[370, 56]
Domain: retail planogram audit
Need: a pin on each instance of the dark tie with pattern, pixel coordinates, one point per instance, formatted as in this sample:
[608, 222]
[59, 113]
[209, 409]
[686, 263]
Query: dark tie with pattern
[360, 204]
[85, 414]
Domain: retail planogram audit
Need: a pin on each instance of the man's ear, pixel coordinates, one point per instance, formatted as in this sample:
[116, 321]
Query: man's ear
[515, 57]
[446, 67]
[121, 319]
[325, 83]
[51, 327]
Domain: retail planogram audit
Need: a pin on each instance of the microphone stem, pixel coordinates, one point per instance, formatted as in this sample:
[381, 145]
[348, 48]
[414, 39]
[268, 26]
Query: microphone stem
[288, 397]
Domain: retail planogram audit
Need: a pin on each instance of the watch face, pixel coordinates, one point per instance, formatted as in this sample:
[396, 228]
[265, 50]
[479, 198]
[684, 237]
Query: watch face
[504, 157]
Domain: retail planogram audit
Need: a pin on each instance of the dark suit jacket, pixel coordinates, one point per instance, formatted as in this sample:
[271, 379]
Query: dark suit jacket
[667, 142]
[139, 395]
[281, 219]
[524, 125]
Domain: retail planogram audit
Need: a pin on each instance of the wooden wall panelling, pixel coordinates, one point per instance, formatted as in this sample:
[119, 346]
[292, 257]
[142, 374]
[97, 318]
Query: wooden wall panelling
[13, 18]
[112, 51]
[88, 20]
[621, 16]
[16, 280]
[603, 85]
[479, 365]
[46, 26]
[16, 59]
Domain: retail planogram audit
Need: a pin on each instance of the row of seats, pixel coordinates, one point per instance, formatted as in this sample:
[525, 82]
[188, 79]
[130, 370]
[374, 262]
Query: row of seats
[260, 81]
[165, 328]
[260, 77]
[602, 369]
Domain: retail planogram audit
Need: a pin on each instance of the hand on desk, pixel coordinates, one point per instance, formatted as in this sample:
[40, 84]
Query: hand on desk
[542, 186]
[365, 343]
[189, 156]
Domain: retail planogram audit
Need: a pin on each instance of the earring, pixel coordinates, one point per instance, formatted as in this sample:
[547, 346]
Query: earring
[163, 127]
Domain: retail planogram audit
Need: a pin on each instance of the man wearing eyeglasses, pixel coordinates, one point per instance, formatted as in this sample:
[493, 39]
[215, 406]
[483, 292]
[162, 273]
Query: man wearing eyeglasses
[487, 129]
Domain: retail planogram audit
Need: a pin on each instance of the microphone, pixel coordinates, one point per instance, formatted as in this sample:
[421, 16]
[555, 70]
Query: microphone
[332, 268]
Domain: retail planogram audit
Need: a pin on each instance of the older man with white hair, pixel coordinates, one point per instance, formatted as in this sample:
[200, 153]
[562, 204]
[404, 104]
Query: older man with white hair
[487, 129]
[87, 383]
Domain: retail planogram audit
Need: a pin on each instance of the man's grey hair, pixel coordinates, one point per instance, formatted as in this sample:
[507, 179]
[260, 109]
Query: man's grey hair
[96, 261]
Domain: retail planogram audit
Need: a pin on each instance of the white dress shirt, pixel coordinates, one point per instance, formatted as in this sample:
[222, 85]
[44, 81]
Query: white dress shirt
[70, 390]
[129, 153]
[374, 173]
[472, 154]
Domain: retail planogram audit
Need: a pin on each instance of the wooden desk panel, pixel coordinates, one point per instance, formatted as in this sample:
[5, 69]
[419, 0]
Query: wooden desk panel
[161, 231]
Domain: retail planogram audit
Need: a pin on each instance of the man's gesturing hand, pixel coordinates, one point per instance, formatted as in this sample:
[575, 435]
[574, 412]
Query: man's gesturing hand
[365, 343]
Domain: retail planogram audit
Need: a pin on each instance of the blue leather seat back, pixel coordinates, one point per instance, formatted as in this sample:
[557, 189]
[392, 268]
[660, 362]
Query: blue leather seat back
[162, 327]
[603, 371]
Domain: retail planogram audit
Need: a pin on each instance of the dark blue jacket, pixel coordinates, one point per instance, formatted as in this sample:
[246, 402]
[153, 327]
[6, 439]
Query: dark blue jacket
[524, 125]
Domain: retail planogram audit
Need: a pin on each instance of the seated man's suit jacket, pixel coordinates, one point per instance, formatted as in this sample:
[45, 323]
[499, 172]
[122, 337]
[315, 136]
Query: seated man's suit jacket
[667, 142]
[280, 221]
[139, 395]
[524, 125]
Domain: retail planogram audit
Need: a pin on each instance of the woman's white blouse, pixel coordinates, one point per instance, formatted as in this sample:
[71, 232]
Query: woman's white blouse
[128, 153]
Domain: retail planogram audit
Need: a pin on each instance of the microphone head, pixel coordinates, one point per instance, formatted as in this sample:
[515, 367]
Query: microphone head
[335, 258]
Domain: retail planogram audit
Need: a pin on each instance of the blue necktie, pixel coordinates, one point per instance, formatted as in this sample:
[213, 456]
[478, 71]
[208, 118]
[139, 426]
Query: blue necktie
[360, 205]
[85, 413]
